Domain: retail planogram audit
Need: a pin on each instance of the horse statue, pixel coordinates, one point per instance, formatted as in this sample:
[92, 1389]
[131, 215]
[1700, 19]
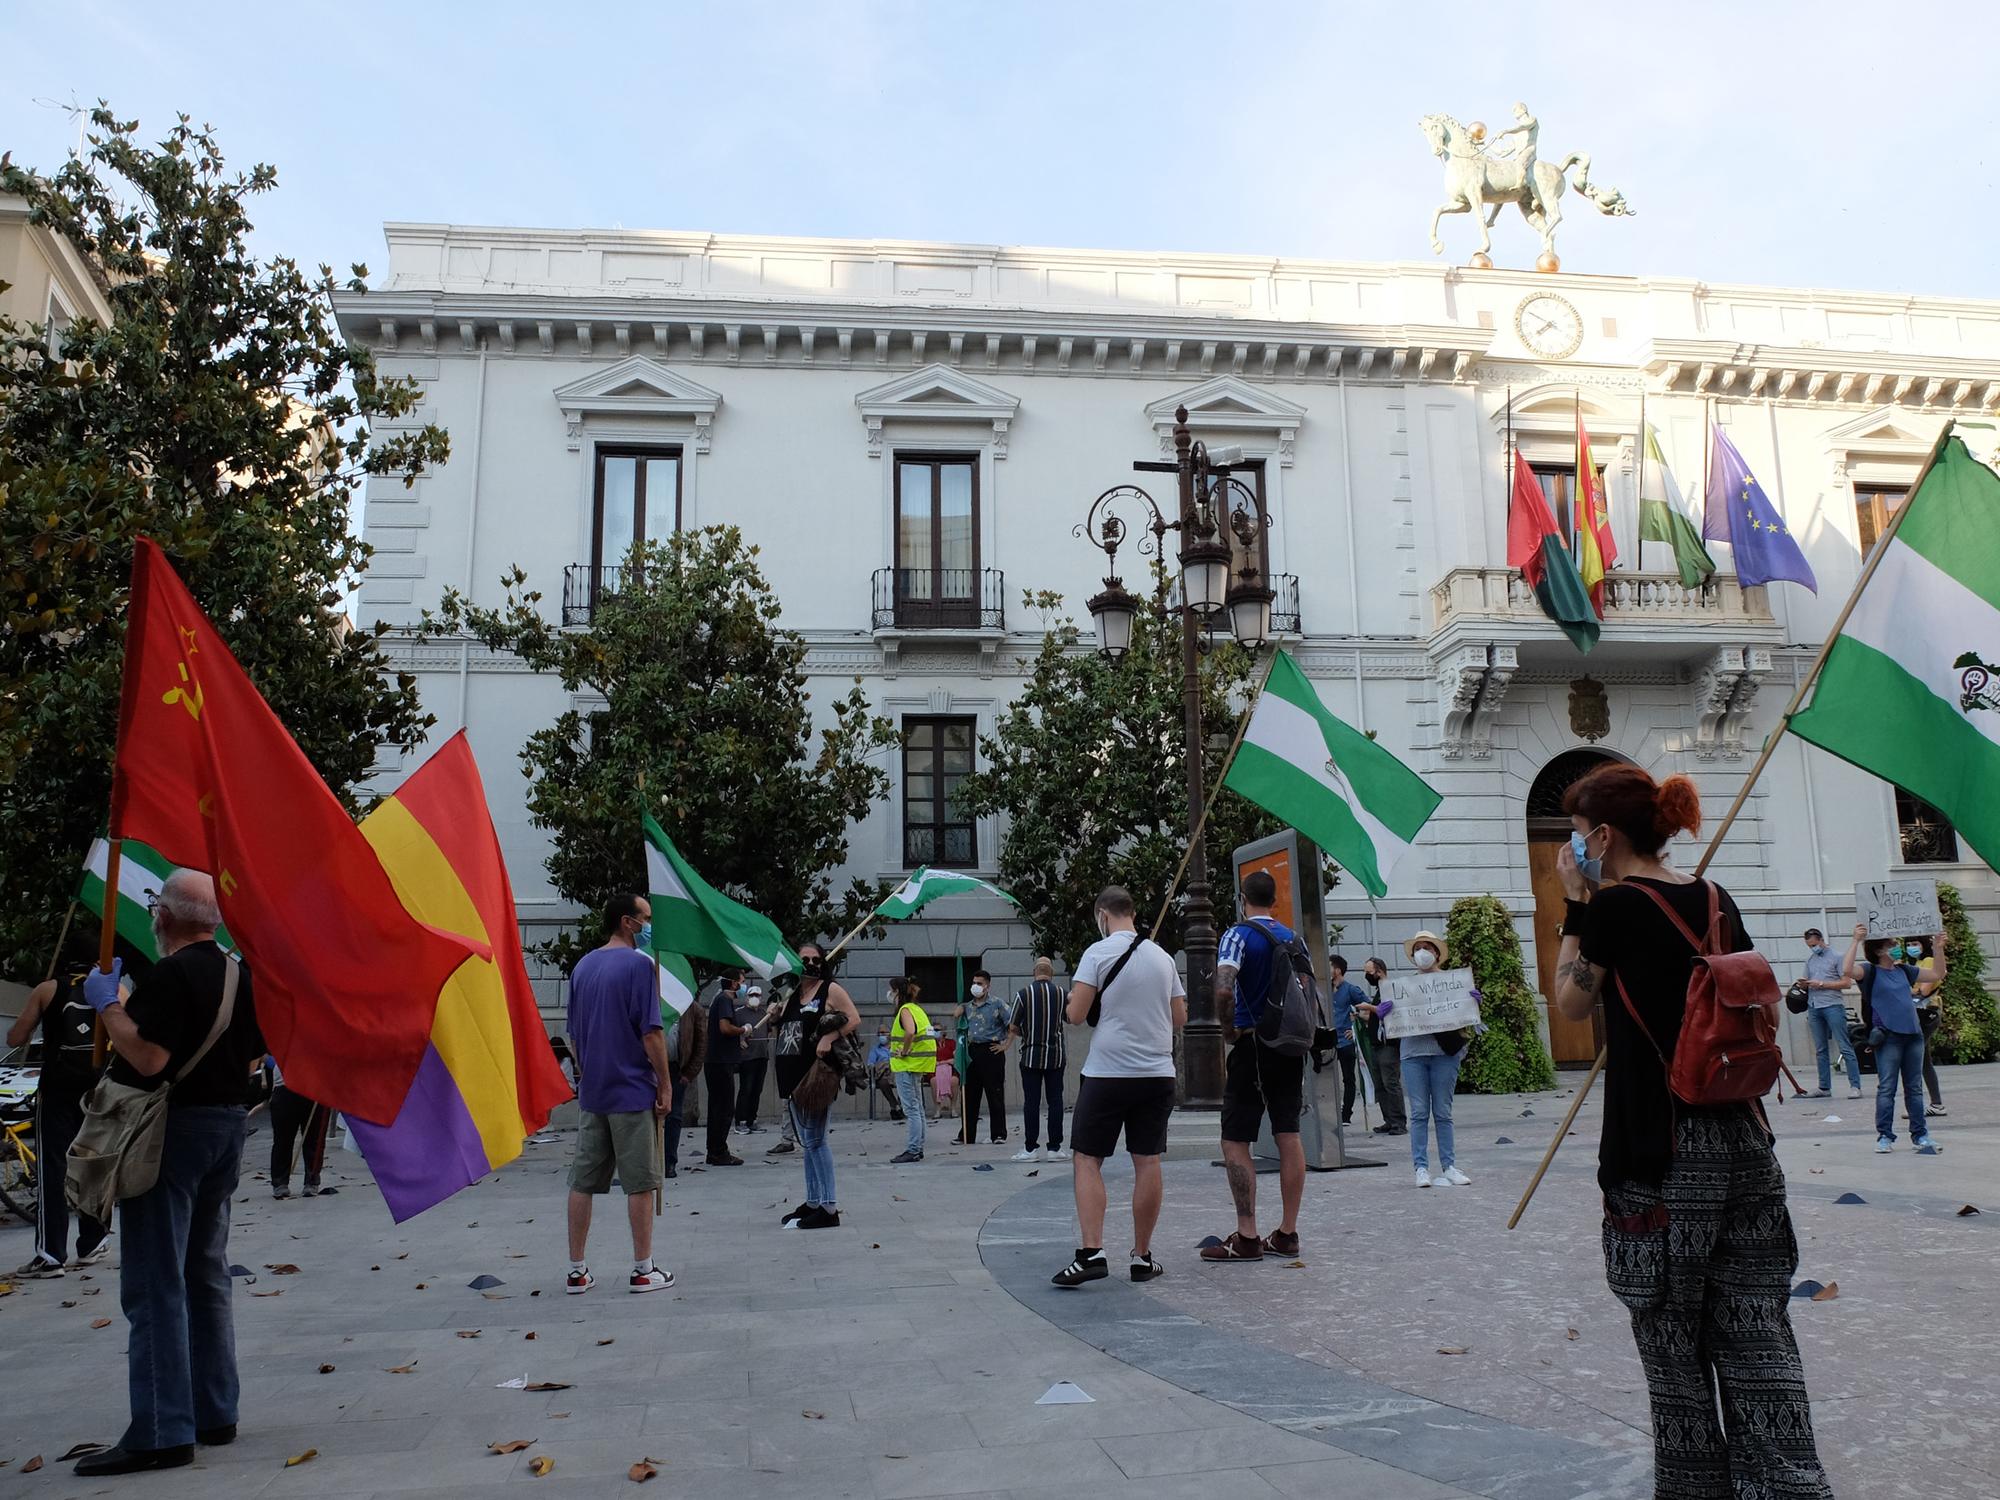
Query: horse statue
[1481, 182]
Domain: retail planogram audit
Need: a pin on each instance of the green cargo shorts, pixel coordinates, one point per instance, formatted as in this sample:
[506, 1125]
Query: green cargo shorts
[626, 1142]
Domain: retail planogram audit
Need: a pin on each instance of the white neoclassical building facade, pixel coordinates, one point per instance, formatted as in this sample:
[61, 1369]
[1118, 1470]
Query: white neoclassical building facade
[911, 431]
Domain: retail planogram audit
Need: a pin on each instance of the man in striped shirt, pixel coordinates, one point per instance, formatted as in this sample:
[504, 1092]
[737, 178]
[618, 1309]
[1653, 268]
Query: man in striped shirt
[1037, 1023]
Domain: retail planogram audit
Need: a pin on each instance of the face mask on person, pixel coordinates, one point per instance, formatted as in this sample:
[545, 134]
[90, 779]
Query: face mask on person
[643, 938]
[1103, 927]
[812, 965]
[1423, 958]
[1896, 952]
[979, 992]
[1591, 869]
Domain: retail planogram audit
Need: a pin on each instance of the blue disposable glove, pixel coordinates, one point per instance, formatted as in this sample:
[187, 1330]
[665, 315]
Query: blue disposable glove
[100, 988]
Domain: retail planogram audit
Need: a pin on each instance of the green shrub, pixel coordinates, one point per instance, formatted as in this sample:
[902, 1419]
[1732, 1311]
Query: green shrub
[1509, 1057]
[1969, 1028]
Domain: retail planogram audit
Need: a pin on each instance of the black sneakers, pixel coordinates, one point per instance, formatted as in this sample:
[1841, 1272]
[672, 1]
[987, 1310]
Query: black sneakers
[906, 1157]
[1145, 1268]
[1089, 1265]
[820, 1218]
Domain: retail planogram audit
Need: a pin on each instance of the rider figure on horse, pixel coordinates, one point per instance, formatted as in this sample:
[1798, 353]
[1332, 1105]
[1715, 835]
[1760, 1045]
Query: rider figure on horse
[1529, 129]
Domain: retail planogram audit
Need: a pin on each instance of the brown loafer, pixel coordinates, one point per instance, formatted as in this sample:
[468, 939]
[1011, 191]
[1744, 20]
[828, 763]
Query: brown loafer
[1235, 1247]
[1277, 1242]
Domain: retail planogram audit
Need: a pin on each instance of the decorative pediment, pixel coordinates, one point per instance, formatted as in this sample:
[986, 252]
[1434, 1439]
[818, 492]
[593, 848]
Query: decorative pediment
[937, 393]
[638, 387]
[1883, 446]
[1234, 406]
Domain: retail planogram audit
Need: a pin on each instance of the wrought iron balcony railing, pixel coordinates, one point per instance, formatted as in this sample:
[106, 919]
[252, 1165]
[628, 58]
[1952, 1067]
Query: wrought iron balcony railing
[939, 599]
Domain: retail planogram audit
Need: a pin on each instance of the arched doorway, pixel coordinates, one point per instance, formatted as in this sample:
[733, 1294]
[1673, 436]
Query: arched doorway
[1572, 1044]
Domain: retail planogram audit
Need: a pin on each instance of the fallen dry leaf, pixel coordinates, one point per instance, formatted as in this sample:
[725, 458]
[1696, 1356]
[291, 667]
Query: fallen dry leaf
[6, 1288]
[279, 1292]
[540, 1464]
[529, 1334]
[503, 1296]
[374, 1268]
[283, 1268]
[895, 1198]
[535, 1293]
[1827, 1293]
[468, 1333]
[298, 1458]
[642, 1471]
[1451, 1349]
[549, 1385]
[602, 1342]
[70, 1303]
[32, 1464]
[404, 1256]
[408, 1369]
[1571, 1333]
[100, 1322]
[515, 1446]
[326, 1369]
[1967, 1212]
[558, 1416]
[813, 1416]
[1295, 1265]
[423, 1285]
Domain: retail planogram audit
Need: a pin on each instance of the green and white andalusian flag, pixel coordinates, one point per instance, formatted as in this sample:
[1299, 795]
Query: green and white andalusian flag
[692, 918]
[142, 870]
[1911, 689]
[926, 885]
[1663, 517]
[1332, 783]
[676, 986]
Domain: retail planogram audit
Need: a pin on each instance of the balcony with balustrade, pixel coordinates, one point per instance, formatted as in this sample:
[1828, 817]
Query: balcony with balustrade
[1646, 615]
[939, 606]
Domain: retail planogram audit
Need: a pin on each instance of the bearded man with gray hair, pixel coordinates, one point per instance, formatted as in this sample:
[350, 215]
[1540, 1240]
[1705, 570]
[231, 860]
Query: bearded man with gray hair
[173, 1032]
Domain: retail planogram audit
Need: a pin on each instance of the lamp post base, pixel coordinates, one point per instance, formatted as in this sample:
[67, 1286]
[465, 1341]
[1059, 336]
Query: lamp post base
[1201, 1065]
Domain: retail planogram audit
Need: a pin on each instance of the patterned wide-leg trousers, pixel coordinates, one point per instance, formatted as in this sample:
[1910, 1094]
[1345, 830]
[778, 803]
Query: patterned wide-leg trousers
[1708, 1286]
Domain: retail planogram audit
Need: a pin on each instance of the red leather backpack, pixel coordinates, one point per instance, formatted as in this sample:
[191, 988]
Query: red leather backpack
[1728, 1048]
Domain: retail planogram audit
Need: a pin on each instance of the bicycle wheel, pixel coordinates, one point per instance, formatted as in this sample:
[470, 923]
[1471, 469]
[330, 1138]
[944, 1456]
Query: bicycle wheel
[17, 1179]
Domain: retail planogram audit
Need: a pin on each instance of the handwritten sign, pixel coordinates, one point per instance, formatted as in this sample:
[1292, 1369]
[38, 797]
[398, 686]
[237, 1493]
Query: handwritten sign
[1899, 908]
[1430, 1002]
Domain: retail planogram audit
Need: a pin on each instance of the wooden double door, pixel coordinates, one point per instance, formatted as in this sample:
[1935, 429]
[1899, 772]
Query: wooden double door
[1572, 1044]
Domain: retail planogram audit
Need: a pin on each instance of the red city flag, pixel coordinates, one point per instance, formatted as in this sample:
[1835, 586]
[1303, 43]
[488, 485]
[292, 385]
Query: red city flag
[347, 980]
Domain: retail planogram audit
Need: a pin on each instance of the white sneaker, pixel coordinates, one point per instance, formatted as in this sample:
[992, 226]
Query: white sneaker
[1034, 1155]
[1061, 1153]
[655, 1280]
[103, 1249]
[1455, 1177]
[1423, 1178]
[1883, 1145]
[1854, 1093]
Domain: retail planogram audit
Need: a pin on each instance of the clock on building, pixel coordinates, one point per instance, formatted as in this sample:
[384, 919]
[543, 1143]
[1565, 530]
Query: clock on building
[1548, 325]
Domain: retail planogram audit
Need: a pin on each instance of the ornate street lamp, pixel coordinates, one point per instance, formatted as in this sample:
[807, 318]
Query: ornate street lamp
[1207, 597]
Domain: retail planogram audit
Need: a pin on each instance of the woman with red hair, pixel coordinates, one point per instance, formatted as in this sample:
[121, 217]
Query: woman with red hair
[1698, 1241]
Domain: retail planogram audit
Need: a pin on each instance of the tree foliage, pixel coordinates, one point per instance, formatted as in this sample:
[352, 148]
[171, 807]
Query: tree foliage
[1508, 1057]
[1969, 1022]
[706, 722]
[220, 413]
[1089, 769]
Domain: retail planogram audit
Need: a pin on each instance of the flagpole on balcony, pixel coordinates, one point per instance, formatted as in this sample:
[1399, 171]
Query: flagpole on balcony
[1750, 781]
[1639, 487]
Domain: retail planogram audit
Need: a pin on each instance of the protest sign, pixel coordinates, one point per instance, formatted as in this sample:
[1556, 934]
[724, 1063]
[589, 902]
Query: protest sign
[1430, 1002]
[1899, 908]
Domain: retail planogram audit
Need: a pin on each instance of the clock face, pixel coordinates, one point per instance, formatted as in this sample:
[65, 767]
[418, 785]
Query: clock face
[1548, 325]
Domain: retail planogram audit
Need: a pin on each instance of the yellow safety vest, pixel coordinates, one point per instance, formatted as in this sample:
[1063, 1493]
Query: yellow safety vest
[922, 1057]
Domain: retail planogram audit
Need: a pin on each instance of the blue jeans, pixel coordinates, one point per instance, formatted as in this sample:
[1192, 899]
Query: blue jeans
[1828, 1023]
[812, 1131]
[909, 1094]
[174, 1282]
[1901, 1054]
[1428, 1085]
[1035, 1083]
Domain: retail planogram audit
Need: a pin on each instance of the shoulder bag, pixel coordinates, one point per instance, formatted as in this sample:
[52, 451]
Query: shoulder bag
[1097, 1000]
[116, 1153]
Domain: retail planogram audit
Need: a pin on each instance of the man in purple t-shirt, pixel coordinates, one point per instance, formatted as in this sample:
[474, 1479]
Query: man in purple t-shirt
[623, 1086]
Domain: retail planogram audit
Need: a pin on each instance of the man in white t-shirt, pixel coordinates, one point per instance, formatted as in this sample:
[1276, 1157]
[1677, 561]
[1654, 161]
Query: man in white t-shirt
[1127, 988]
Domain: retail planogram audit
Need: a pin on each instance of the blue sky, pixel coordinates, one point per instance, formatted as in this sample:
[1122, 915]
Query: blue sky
[1837, 145]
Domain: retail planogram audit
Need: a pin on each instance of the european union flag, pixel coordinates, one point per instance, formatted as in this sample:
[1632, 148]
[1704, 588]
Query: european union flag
[1737, 511]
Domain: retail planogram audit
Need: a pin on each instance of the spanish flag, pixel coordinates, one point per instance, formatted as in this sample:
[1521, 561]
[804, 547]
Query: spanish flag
[488, 1077]
[1596, 551]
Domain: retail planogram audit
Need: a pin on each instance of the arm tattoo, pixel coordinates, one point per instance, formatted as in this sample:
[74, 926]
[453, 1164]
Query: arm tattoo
[1581, 976]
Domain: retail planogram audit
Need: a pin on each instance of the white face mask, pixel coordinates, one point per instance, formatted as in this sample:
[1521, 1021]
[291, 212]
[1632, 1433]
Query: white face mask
[1103, 928]
[979, 992]
[1423, 958]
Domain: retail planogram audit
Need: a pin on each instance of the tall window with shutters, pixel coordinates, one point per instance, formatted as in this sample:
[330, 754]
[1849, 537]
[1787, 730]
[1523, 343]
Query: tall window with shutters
[937, 540]
[1873, 507]
[638, 500]
[937, 756]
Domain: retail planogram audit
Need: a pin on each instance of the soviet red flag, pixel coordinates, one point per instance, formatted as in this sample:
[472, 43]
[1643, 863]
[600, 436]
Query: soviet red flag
[347, 980]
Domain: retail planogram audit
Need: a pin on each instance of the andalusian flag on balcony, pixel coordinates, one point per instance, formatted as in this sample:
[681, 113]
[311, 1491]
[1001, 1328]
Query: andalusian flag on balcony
[1663, 517]
[1595, 550]
[1911, 689]
[1328, 780]
[1535, 547]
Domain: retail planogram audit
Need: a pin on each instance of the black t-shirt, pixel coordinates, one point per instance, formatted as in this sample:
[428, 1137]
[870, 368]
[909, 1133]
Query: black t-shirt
[1632, 940]
[724, 1052]
[173, 1007]
[798, 1037]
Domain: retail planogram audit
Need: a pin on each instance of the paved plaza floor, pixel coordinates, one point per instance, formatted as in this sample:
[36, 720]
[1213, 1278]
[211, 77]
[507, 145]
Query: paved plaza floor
[1418, 1349]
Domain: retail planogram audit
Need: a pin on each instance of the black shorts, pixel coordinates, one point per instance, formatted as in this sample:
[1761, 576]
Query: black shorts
[1140, 1107]
[1258, 1081]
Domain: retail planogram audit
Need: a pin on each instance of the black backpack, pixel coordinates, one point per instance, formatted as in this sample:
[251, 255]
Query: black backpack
[1289, 1020]
[69, 1028]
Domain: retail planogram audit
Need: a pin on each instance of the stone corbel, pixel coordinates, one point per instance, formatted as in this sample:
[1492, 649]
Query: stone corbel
[808, 336]
[1000, 426]
[1028, 343]
[1287, 440]
[1724, 694]
[732, 340]
[1472, 681]
[621, 335]
[545, 334]
[1399, 360]
[387, 328]
[1271, 352]
[697, 332]
[874, 426]
[955, 343]
[583, 338]
[468, 335]
[1502, 663]
[662, 338]
[1135, 356]
[573, 429]
[881, 346]
[1302, 359]
[1099, 353]
[992, 351]
[1461, 363]
[1173, 356]
[427, 331]
[506, 332]
[703, 423]
[1208, 358]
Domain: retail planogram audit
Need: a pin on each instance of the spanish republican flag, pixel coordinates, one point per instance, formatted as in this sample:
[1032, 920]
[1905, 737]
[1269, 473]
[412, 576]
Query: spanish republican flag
[488, 1077]
[1596, 551]
[1535, 547]
[347, 980]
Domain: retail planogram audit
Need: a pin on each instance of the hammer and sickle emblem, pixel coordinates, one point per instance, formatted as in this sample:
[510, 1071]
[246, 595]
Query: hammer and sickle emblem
[188, 695]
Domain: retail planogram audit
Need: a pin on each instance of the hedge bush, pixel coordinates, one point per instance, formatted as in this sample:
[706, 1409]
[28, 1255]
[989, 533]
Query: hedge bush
[1508, 1058]
[1969, 1027]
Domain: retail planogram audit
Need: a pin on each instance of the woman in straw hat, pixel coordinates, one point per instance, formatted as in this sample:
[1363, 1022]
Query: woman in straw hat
[1430, 1076]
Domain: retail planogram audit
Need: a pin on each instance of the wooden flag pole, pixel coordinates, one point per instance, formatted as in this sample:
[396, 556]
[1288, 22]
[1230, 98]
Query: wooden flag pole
[1208, 802]
[1757, 770]
[62, 936]
[107, 939]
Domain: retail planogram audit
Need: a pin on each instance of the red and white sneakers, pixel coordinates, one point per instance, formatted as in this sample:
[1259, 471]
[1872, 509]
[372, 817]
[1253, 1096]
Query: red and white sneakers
[655, 1280]
[579, 1282]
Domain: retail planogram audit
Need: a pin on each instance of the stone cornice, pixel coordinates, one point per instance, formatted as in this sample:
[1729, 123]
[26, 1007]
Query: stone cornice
[1818, 375]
